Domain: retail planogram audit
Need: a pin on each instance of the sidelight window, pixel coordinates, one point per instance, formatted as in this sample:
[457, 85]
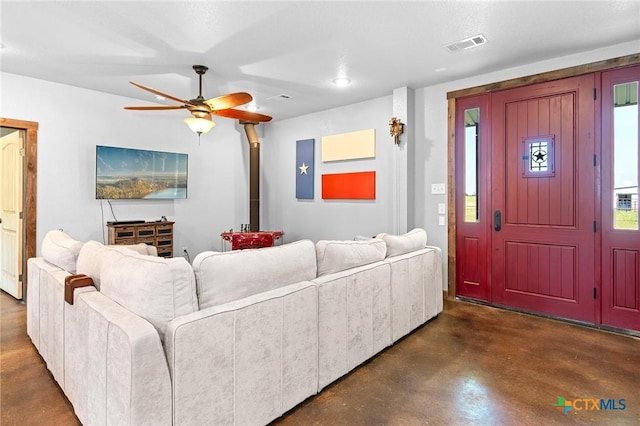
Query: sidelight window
[625, 156]
[471, 122]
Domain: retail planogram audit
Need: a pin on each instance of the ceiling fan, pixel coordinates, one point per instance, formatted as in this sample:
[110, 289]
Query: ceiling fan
[202, 109]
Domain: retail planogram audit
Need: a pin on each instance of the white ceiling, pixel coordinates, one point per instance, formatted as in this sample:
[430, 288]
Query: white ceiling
[295, 48]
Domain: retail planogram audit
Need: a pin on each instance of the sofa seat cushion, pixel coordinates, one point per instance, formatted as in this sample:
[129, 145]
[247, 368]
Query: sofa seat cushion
[397, 245]
[334, 256]
[58, 248]
[224, 277]
[157, 289]
[93, 252]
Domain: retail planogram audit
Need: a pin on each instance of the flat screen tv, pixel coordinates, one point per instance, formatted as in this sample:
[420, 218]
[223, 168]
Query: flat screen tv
[127, 173]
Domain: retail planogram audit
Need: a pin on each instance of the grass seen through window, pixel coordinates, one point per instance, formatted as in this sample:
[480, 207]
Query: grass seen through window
[625, 219]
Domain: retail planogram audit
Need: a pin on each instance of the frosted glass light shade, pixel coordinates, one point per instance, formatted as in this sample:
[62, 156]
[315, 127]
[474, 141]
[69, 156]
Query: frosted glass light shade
[199, 125]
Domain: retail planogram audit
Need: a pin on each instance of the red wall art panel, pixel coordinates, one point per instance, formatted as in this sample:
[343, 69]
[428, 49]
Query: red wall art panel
[349, 186]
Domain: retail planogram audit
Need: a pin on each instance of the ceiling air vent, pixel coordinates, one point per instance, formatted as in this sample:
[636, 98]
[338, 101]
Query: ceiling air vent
[467, 43]
[280, 98]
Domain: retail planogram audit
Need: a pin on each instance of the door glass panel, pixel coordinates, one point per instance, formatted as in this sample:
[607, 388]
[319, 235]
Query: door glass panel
[471, 121]
[538, 156]
[625, 156]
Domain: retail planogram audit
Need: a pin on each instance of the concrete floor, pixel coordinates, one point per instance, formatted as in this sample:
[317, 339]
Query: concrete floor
[478, 365]
[473, 365]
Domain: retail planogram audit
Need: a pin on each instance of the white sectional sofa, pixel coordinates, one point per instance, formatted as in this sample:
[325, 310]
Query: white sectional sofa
[237, 338]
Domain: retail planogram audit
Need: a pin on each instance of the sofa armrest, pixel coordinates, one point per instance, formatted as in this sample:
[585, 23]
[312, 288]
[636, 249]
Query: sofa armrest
[115, 368]
[46, 313]
[438, 277]
[38, 270]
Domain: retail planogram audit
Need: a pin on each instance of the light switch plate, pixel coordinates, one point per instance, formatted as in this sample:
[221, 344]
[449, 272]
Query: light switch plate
[437, 188]
[441, 220]
[441, 208]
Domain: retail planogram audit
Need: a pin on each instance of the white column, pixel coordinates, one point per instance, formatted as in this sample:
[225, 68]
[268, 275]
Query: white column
[403, 167]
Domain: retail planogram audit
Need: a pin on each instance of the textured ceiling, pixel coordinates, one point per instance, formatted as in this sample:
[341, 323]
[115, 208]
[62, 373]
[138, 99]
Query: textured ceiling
[294, 48]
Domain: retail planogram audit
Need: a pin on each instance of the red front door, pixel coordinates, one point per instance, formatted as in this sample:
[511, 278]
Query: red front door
[620, 233]
[543, 198]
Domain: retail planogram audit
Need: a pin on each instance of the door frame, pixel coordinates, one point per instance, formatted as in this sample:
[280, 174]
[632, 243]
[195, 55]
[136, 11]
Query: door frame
[30, 173]
[488, 88]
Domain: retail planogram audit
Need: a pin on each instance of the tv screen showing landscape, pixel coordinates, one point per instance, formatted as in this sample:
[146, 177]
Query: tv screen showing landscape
[126, 173]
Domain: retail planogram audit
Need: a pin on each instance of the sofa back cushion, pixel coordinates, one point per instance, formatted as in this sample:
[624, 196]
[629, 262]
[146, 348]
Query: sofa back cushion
[156, 288]
[334, 256]
[233, 275]
[397, 245]
[58, 248]
[93, 252]
[140, 248]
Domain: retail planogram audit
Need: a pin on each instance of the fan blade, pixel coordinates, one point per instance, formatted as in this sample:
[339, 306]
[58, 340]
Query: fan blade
[164, 95]
[229, 101]
[158, 107]
[242, 115]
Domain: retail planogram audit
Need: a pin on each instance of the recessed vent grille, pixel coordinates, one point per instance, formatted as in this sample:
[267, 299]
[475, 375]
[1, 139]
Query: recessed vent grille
[280, 98]
[467, 43]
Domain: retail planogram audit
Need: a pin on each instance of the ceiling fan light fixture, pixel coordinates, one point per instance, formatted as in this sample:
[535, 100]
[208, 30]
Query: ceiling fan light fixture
[201, 109]
[199, 125]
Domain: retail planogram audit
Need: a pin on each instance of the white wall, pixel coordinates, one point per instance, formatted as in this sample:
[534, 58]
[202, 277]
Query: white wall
[72, 121]
[326, 219]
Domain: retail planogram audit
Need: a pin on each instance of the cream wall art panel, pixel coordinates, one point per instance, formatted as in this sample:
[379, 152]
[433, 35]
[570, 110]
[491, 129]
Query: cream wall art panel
[349, 146]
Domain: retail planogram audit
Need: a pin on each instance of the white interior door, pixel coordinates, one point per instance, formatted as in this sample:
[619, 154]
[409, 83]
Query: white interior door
[11, 194]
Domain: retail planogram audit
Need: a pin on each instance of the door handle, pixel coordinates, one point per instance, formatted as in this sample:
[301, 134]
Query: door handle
[497, 220]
